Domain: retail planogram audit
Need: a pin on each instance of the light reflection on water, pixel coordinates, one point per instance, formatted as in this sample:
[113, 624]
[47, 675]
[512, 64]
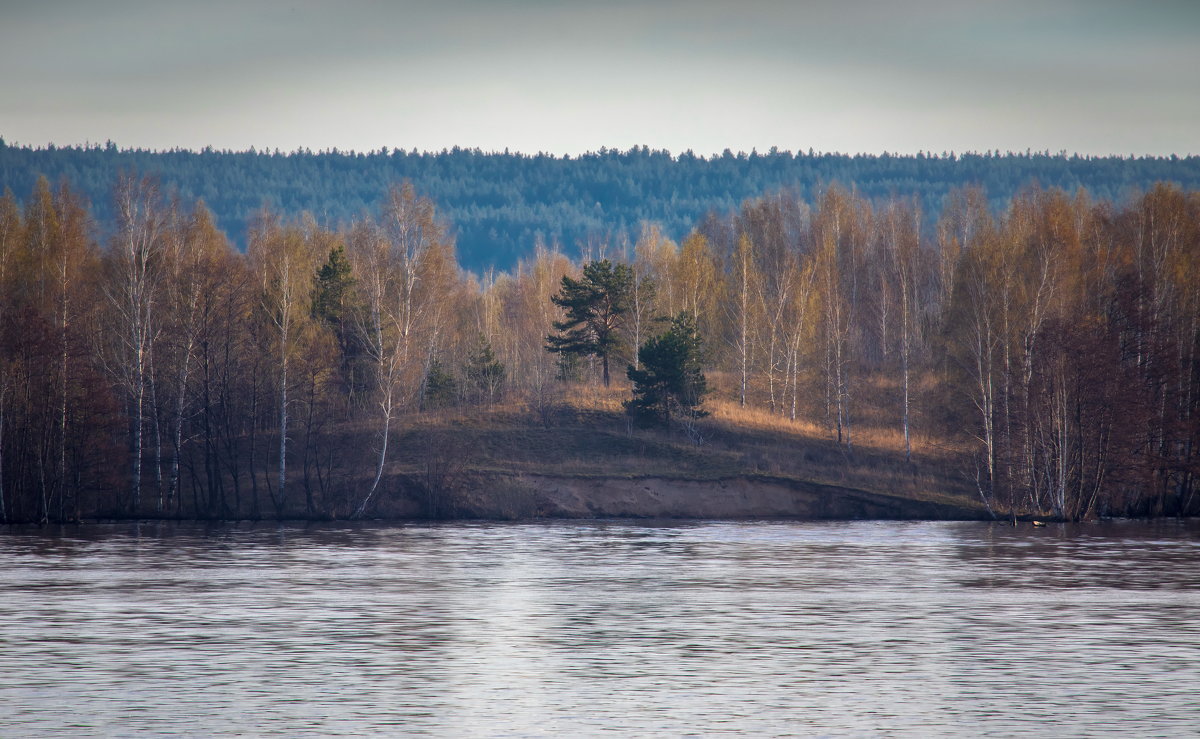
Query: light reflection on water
[584, 628]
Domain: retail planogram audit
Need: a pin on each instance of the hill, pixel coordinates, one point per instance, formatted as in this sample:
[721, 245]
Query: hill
[501, 204]
[579, 457]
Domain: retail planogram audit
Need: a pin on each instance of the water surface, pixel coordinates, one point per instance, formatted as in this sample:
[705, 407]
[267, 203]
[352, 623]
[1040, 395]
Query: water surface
[562, 629]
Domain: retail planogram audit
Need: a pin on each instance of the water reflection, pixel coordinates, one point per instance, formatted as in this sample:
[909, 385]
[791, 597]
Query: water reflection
[481, 629]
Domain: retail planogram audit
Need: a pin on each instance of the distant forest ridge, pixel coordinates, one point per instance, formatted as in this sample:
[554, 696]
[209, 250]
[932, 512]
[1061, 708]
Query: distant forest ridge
[499, 205]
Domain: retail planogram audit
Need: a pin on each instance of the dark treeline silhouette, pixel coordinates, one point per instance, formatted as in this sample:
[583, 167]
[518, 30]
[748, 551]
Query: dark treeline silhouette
[500, 203]
[152, 369]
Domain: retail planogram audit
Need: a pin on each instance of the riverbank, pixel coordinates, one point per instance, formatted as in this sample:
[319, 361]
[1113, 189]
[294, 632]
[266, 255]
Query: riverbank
[585, 461]
[729, 498]
[575, 457]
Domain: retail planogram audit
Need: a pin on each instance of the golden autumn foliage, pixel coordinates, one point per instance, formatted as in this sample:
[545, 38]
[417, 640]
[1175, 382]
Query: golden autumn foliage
[1047, 357]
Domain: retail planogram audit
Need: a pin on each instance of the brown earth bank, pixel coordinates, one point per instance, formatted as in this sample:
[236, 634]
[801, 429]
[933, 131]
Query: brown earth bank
[587, 462]
[522, 496]
[580, 458]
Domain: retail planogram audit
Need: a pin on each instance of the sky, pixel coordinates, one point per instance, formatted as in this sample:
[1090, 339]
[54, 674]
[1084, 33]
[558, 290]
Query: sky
[1093, 77]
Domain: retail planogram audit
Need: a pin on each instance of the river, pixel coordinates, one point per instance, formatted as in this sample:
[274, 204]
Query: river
[580, 629]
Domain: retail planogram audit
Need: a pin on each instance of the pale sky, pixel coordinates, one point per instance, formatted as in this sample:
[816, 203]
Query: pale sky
[1087, 76]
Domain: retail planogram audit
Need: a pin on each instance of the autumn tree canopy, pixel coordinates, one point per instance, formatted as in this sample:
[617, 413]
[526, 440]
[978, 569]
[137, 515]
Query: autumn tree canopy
[1045, 350]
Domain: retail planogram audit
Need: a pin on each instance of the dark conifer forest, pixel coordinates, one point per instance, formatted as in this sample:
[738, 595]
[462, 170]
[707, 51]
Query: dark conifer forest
[223, 335]
[501, 204]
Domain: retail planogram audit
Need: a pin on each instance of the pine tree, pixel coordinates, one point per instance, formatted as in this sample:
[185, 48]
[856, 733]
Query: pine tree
[334, 283]
[337, 304]
[670, 380]
[484, 373]
[596, 307]
[441, 389]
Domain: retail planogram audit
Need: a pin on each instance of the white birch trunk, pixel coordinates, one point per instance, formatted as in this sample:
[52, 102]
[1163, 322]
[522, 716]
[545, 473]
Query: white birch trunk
[285, 322]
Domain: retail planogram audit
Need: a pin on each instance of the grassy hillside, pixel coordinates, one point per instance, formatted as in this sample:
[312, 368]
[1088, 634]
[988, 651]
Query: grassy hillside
[445, 461]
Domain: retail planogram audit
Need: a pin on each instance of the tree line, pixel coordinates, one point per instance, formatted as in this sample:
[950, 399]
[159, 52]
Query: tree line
[500, 203]
[154, 369]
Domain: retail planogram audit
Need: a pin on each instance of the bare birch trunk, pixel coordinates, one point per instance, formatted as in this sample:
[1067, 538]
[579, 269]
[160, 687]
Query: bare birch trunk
[139, 393]
[181, 392]
[62, 410]
[3, 396]
[285, 324]
[158, 442]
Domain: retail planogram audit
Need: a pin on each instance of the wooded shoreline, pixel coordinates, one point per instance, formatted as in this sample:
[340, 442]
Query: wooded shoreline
[1043, 361]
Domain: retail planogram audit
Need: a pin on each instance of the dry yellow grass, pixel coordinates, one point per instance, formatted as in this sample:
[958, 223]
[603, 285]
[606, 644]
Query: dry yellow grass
[884, 439]
[597, 397]
[731, 413]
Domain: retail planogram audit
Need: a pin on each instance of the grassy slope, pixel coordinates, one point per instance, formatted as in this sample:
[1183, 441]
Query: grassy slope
[587, 435]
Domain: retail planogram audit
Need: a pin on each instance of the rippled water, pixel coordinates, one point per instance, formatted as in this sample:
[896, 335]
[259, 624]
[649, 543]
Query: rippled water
[579, 629]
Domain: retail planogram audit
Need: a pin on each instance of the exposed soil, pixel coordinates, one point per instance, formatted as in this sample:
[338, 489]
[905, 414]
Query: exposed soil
[526, 495]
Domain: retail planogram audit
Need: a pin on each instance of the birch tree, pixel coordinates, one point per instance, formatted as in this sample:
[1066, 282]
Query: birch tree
[742, 311]
[135, 263]
[193, 250]
[531, 314]
[697, 284]
[285, 262]
[11, 238]
[644, 288]
[975, 339]
[902, 233]
[402, 270]
[837, 236]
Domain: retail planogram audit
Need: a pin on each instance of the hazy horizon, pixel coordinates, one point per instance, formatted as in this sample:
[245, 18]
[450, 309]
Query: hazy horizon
[674, 155]
[1094, 78]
